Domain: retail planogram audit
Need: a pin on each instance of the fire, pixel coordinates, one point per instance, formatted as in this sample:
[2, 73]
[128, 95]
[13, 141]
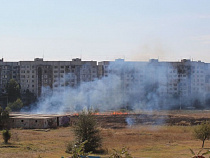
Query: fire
[106, 113]
[119, 113]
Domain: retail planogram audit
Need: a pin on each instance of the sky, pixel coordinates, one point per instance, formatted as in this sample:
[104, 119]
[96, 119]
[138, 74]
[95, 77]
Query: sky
[136, 30]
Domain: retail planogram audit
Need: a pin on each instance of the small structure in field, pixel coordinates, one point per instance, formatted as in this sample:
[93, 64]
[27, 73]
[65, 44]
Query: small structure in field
[37, 121]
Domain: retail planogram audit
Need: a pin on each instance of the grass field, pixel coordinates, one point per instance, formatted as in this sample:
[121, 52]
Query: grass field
[142, 141]
[146, 141]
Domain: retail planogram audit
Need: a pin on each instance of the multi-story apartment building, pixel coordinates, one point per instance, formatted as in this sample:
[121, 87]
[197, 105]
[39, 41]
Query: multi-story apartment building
[8, 70]
[139, 81]
[34, 75]
[184, 81]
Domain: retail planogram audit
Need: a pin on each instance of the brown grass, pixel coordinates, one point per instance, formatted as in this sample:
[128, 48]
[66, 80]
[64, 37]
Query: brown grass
[142, 141]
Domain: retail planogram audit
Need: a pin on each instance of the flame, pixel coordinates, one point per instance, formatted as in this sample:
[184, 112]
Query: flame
[119, 113]
[106, 113]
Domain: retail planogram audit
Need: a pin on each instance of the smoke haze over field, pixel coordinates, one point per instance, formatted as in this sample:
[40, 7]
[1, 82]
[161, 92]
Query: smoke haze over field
[129, 85]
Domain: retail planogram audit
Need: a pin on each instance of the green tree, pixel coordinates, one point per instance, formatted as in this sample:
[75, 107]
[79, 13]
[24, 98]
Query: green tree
[6, 135]
[4, 117]
[28, 98]
[202, 132]
[13, 90]
[16, 106]
[86, 129]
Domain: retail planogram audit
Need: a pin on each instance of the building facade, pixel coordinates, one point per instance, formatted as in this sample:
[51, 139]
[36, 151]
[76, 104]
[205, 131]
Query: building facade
[37, 74]
[159, 82]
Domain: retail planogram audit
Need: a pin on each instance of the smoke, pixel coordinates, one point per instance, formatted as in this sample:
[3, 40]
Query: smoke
[130, 121]
[129, 85]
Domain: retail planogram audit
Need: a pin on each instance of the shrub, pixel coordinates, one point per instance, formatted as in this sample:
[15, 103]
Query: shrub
[199, 154]
[4, 116]
[6, 135]
[77, 149]
[86, 129]
[123, 153]
[202, 132]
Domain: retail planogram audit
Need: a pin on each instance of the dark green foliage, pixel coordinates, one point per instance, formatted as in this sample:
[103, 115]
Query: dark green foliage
[4, 118]
[28, 98]
[202, 132]
[6, 135]
[16, 106]
[13, 90]
[86, 130]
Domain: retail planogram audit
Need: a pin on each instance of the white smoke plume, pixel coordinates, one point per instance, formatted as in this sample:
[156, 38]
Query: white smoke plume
[130, 85]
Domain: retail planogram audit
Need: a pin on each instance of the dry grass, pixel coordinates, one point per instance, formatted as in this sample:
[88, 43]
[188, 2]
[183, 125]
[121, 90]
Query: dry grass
[142, 141]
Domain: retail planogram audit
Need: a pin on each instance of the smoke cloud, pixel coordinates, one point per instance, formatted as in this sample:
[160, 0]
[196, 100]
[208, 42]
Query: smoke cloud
[129, 85]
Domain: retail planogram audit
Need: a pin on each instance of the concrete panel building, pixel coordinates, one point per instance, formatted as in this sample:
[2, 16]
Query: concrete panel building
[37, 121]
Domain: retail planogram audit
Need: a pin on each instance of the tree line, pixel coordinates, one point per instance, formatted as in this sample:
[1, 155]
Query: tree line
[14, 99]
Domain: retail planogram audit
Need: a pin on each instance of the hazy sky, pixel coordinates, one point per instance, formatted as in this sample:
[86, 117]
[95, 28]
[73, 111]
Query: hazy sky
[105, 29]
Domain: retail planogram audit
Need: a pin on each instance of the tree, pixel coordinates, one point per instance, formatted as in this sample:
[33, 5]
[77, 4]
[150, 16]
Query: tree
[16, 106]
[6, 135]
[86, 129]
[203, 132]
[28, 97]
[4, 117]
[13, 90]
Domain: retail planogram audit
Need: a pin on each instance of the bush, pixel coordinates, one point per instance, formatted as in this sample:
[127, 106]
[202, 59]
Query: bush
[4, 117]
[6, 135]
[202, 132]
[77, 149]
[123, 153]
[86, 129]
[199, 154]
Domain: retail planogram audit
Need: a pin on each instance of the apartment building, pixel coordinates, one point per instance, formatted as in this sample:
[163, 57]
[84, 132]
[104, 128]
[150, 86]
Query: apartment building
[185, 80]
[56, 75]
[8, 70]
[139, 80]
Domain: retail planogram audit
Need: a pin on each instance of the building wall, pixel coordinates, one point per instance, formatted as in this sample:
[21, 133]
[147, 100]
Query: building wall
[185, 78]
[35, 123]
[56, 75]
